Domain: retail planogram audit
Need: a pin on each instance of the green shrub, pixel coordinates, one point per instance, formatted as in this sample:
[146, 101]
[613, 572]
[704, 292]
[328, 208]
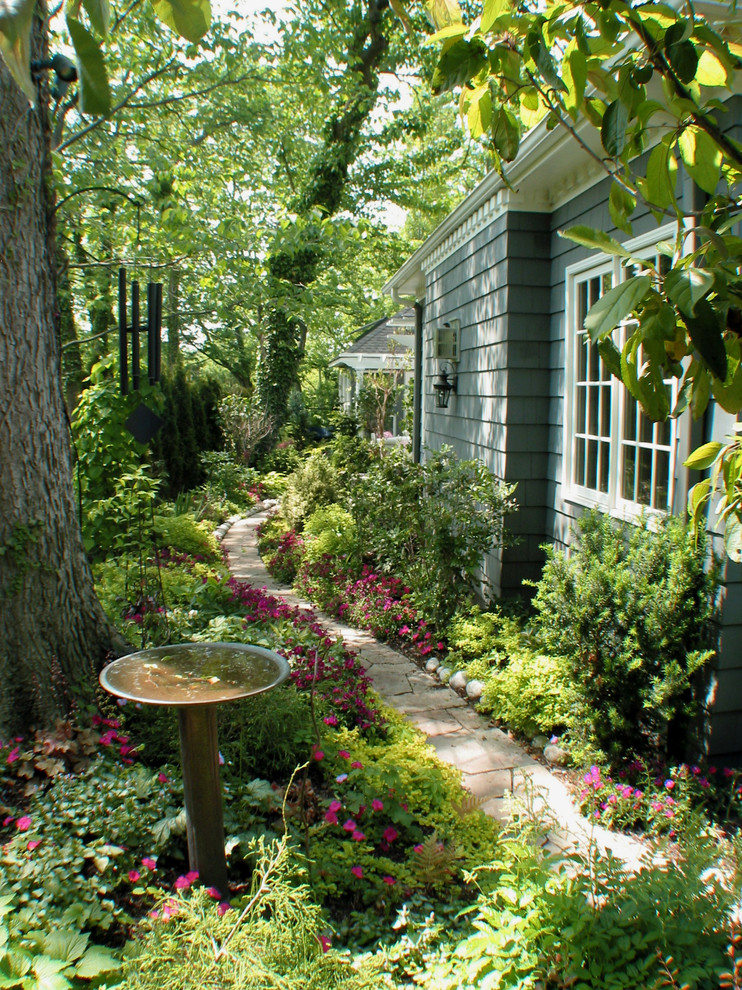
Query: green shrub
[332, 531]
[630, 609]
[313, 485]
[275, 939]
[532, 693]
[590, 922]
[475, 635]
[184, 534]
[228, 479]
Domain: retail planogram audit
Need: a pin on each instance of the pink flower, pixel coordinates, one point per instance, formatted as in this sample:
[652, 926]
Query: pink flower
[390, 881]
[32, 844]
[149, 863]
[357, 871]
[134, 875]
[669, 784]
[182, 883]
[14, 754]
[330, 720]
[358, 836]
[192, 876]
[331, 818]
[222, 908]
[377, 805]
[23, 823]
[350, 825]
[162, 778]
[325, 942]
[344, 754]
[357, 765]
[390, 834]
[317, 754]
[335, 806]
[213, 892]
[8, 820]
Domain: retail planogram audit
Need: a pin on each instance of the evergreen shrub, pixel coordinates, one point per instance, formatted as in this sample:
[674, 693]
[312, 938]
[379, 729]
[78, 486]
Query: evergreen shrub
[313, 485]
[630, 609]
[182, 533]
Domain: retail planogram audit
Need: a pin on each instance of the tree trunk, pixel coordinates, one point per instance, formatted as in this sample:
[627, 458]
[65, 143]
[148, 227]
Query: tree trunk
[53, 632]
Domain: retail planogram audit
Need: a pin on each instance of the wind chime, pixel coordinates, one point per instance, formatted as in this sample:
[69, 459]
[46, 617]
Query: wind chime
[148, 607]
[143, 423]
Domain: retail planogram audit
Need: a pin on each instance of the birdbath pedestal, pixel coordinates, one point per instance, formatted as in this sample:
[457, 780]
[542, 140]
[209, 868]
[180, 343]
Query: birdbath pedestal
[195, 678]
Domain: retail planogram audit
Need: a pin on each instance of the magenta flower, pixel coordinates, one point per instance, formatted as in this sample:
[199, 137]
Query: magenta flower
[182, 883]
[331, 818]
[390, 834]
[335, 806]
[358, 836]
[330, 720]
[23, 823]
[162, 778]
[149, 863]
[344, 754]
[669, 784]
[325, 942]
[357, 871]
[192, 876]
[377, 805]
[14, 754]
[389, 881]
[213, 892]
[32, 844]
[317, 754]
[222, 908]
[350, 825]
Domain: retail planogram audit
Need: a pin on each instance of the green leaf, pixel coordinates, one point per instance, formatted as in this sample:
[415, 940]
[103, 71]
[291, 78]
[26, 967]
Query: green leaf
[97, 960]
[684, 60]
[99, 12]
[595, 239]
[687, 286]
[491, 10]
[543, 60]
[95, 94]
[611, 355]
[574, 75]
[662, 173]
[458, 64]
[711, 71]
[446, 34]
[701, 156]
[697, 498]
[613, 128]
[505, 134]
[621, 205]
[65, 945]
[703, 457]
[704, 331]
[479, 113]
[189, 18]
[16, 17]
[616, 305]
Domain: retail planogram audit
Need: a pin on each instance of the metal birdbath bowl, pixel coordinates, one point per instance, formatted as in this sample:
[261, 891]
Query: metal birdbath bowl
[195, 678]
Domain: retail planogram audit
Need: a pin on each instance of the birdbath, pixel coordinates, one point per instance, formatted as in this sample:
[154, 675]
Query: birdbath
[195, 678]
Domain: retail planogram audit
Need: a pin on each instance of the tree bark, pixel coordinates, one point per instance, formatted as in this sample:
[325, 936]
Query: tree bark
[53, 631]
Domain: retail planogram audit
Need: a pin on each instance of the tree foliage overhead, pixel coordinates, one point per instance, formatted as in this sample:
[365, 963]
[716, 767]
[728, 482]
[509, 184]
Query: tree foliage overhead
[641, 87]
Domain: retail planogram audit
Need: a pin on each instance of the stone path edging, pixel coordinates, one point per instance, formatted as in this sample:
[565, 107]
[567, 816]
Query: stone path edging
[492, 765]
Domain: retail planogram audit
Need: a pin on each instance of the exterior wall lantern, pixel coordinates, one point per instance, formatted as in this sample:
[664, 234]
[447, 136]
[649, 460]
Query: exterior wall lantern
[443, 387]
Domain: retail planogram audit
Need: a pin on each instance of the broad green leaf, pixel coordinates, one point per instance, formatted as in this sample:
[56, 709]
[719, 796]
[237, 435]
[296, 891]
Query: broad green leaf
[188, 18]
[458, 64]
[595, 239]
[611, 355]
[491, 10]
[442, 13]
[543, 60]
[616, 305]
[532, 108]
[711, 71]
[621, 205]
[687, 286]
[697, 498]
[65, 945]
[701, 392]
[613, 128]
[505, 134]
[16, 17]
[729, 392]
[479, 113]
[703, 457]
[446, 33]
[574, 76]
[99, 13]
[705, 333]
[95, 94]
[701, 157]
[97, 960]
[662, 173]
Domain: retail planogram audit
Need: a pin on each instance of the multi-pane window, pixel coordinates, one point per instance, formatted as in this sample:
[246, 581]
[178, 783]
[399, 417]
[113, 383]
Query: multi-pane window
[615, 455]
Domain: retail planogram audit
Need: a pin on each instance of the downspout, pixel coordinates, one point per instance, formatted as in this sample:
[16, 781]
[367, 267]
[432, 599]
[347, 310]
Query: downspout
[417, 395]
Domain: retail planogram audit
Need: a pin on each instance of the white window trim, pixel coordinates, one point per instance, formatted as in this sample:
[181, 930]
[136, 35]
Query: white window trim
[613, 502]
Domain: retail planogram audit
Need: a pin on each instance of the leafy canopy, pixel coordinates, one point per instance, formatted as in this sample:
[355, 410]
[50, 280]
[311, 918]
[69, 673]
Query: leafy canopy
[641, 88]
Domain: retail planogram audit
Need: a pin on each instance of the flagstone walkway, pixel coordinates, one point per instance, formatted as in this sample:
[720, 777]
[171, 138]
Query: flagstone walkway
[493, 766]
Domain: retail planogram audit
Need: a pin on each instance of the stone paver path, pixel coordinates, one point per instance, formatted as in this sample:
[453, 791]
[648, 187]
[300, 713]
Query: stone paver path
[493, 767]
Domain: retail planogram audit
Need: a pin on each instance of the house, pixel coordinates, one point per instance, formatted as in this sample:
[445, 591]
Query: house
[383, 346]
[500, 299]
